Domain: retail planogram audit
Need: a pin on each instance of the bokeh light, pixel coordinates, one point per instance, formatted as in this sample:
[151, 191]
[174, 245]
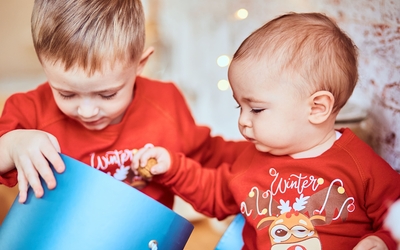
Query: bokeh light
[223, 85]
[242, 14]
[223, 61]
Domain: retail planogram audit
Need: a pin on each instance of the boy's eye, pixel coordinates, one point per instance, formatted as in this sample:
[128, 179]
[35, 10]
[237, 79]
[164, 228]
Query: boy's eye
[66, 96]
[257, 110]
[107, 97]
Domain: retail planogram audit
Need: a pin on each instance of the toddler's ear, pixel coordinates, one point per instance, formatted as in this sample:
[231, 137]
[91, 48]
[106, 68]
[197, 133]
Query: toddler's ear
[143, 60]
[321, 104]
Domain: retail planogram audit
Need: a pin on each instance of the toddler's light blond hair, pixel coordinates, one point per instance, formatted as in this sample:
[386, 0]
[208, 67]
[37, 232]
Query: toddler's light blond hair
[88, 33]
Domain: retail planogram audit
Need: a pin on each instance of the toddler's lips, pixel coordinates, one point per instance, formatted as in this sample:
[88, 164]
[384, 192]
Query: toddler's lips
[250, 139]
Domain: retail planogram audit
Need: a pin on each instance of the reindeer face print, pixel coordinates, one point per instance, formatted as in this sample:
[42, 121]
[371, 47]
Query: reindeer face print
[292, 230]
[303, 203]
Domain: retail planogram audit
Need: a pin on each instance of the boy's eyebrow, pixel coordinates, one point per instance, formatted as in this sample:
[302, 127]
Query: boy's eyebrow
[113, 89]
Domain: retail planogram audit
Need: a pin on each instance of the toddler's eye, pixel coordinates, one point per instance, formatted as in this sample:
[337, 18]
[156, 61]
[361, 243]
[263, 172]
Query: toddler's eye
[256, 111]
[108, 97]
[66, 96]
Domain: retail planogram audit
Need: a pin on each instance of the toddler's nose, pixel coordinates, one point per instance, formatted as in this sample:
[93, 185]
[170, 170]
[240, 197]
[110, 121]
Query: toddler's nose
[244, 121]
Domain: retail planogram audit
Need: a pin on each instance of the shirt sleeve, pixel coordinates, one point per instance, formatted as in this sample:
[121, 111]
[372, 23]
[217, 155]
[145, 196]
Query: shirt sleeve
[206, 189]
[382, 189]
[199, 145]
[18, 113]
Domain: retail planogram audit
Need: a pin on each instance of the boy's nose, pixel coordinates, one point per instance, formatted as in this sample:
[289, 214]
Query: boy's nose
[87, 111]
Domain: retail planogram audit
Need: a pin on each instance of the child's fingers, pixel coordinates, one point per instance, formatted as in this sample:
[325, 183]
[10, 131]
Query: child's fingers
[51, 152]
[158, 169]
[137, 155]
[23, 187]
[146, 155]
[43, 168]
[55, 159]
[54, 142]
[25, 167]
[141, 157]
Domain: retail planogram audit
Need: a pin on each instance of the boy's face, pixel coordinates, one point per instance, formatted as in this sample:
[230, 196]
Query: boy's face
[273, 115]
[95, 101]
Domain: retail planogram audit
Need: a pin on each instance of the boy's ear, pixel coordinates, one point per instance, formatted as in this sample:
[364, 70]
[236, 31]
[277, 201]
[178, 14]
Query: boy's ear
[143, 60]
[321, 103]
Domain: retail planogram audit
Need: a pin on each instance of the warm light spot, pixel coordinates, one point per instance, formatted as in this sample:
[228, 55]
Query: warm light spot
[264, 211]
[320, 181]
[341, 190]
[242, 14]
[251, 194]
[223, 85]
[223, 61]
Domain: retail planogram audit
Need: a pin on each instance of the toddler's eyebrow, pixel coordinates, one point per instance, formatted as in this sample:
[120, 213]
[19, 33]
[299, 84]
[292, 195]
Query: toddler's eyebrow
[249, 99]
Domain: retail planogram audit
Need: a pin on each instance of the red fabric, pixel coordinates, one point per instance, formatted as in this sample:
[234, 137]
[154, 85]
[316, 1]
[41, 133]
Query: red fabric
[158, 114]
[343, 194]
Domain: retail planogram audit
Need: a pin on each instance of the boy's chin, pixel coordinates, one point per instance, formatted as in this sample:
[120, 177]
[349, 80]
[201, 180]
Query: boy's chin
[96, 126]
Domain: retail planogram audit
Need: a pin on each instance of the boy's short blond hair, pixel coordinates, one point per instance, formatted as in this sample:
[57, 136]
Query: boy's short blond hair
[88, 33]
[309, 48]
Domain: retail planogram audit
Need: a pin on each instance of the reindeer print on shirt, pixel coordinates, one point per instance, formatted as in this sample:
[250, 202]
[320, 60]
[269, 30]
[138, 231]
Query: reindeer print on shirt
[291, 207]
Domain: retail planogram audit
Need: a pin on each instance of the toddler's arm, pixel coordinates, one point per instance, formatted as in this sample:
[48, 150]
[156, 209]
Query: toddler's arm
[28, 152]
[206, 189]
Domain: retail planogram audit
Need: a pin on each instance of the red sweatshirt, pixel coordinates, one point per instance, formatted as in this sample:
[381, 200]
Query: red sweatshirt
[158, 115]
[328, 202]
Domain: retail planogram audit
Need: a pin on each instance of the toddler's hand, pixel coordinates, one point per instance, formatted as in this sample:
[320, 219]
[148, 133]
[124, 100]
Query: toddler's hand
[371, 242]
[31, 151]
[143, 155]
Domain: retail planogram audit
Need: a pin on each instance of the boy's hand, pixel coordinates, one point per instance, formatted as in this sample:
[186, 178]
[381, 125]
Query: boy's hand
[31, 151]
[371, 242]
[161, 155]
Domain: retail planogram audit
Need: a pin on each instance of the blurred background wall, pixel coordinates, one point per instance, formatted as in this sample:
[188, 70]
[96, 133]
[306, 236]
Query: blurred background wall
[190, 36]
[194, 41]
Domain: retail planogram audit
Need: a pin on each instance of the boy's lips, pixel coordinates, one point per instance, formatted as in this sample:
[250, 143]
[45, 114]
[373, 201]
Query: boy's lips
[95, 122]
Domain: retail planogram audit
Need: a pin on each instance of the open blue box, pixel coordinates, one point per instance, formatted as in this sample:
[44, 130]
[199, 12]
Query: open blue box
[91, 210]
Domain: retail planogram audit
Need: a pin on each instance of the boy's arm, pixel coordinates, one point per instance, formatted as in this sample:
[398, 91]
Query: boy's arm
[205, 189]
[24, 149]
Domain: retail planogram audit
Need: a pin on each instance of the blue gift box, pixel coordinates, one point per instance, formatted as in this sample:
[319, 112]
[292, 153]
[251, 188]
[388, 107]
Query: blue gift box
[91, 210]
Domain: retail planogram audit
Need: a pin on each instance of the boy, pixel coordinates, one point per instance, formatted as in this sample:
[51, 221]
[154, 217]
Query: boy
[304, 185]
[95, 107]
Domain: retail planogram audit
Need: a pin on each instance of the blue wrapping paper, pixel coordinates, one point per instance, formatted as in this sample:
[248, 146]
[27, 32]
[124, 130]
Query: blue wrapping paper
[232, 238]
[91, 210]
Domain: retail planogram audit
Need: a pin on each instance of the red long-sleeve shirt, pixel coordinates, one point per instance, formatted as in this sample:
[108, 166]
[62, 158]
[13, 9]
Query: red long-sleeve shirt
[158, 115]
[333, 200]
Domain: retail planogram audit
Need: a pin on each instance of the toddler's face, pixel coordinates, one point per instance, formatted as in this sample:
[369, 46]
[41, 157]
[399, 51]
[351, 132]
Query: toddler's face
[272, 113]
[95, 101]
